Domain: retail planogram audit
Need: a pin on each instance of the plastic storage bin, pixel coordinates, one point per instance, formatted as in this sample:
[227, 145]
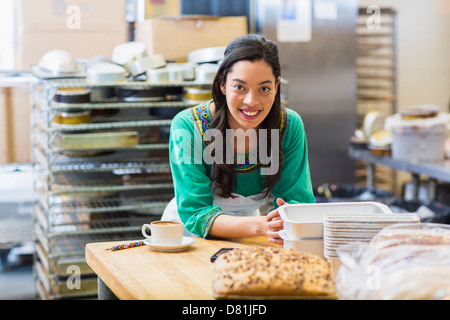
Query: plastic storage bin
[314, 246]
[305, 220]
[418, 140]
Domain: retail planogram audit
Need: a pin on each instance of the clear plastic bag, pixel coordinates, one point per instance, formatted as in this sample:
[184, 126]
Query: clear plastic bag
[403, 261]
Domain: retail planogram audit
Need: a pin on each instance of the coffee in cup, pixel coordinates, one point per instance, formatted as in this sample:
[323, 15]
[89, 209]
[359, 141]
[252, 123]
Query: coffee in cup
[164, 232]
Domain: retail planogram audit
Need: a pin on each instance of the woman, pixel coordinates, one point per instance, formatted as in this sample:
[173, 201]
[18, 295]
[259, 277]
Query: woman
[219, 195]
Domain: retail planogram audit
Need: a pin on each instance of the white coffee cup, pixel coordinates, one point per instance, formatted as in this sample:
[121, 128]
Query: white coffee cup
[164, 232]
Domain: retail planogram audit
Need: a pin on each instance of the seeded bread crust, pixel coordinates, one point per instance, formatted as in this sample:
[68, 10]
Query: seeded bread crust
[272, 271]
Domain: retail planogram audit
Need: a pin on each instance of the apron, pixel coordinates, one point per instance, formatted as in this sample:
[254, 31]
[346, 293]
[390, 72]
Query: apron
[239, 206]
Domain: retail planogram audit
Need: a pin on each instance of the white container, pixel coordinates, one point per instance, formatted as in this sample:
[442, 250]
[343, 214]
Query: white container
[158, 76]
[314, 246]
[205, 73]
[204, 55]
[418, 140]
[141, 66]
[105, 72]
[305, 220]
[58, 62]
[128, 52]
[175, 72]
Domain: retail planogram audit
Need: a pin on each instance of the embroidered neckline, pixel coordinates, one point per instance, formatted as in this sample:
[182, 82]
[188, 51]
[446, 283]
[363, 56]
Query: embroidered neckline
[202, 119]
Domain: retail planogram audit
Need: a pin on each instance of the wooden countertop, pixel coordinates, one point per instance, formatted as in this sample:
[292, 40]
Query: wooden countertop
[141, 273]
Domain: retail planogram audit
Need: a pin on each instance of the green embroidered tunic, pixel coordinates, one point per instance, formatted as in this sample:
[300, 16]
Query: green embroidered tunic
[191, 171]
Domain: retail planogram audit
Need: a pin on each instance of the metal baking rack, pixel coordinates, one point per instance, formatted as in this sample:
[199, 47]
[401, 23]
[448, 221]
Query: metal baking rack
[376, 79]
[376, 64]
[110, 204]
[83, 82]
[93, 194]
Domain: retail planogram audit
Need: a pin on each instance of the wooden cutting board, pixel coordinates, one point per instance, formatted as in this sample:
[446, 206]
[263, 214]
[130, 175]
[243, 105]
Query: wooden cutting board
[141, 273]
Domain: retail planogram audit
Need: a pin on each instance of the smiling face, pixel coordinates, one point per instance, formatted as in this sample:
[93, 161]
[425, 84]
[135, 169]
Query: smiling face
[250, 91]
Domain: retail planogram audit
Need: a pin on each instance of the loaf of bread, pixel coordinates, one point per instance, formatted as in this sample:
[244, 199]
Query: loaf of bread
[424, 234]
[271, 273]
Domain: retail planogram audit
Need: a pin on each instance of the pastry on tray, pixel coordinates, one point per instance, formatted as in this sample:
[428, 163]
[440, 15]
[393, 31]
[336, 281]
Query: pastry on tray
[271, 273]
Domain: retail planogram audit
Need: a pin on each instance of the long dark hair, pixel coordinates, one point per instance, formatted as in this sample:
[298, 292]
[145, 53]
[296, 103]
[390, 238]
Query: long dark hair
[250, 47]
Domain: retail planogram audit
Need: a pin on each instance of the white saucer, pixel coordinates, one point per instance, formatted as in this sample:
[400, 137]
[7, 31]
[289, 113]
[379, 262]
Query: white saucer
[187, 241]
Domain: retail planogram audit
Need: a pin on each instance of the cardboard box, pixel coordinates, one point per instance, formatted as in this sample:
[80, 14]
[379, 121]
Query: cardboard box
[7, 36]
[84, 28]
[15, 124]
[58, 15]
[175, 37]
[81, 44]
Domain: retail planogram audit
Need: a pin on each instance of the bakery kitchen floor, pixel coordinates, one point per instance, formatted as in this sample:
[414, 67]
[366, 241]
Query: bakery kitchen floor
[16, 248]
[17, 280]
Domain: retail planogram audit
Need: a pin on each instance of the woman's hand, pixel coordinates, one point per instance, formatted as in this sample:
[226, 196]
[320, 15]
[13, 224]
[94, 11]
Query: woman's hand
[274, 224]
[228, 226]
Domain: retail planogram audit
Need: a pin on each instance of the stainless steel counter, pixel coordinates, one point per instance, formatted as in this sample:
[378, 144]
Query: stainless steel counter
[433, 170]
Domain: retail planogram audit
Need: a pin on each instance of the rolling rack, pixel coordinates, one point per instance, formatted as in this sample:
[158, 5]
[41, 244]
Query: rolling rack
[97, 193]
[376, 79]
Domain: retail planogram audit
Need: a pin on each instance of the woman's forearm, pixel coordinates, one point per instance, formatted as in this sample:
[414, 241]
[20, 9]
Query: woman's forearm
[227, 226]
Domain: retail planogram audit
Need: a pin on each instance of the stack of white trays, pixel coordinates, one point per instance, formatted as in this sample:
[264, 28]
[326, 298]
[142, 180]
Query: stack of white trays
[341, 229]
[304, 223]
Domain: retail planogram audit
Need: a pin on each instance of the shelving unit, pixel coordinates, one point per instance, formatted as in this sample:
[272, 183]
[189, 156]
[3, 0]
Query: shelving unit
[434, 171]
[376, 80]
[93, 194]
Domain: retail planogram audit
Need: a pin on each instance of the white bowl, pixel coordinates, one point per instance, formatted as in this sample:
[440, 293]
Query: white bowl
[58, 62]
[314, 246]
[126, 53]
[305, 220]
